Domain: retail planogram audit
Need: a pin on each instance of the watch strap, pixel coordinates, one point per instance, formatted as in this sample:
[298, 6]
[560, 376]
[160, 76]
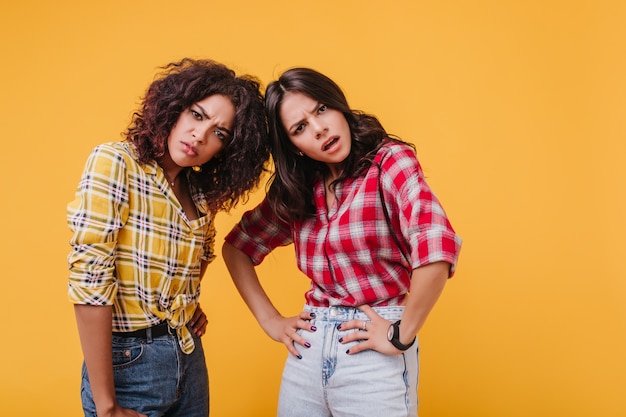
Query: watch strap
[395, 340]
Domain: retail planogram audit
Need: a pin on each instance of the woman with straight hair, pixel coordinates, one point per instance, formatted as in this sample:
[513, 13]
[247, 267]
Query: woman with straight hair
[367, 230]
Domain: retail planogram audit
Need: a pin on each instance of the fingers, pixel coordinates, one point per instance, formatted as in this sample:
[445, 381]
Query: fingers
[359, 347]
[371, 333]
[356, 330]
[198, 322]
[291, 347]
[289, 329]
[357, 324]
[291, 341]
[368, 310]
[305, 324]
[302, 324]
[374, 339]
[307, 315]
[361, 333]
[375, 321]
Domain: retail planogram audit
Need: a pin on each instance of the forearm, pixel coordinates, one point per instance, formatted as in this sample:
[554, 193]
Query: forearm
[246, 281]
[94, 329]
[427, 283]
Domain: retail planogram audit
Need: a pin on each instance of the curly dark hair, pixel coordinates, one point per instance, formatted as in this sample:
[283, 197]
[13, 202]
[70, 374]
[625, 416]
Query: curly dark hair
[228, 177]
[290, 192]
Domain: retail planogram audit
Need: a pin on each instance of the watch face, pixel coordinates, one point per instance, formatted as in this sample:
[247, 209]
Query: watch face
[390, 332]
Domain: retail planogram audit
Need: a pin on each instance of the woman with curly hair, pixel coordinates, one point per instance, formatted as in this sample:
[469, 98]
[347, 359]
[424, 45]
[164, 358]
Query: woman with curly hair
[143, 233]
[366, 229]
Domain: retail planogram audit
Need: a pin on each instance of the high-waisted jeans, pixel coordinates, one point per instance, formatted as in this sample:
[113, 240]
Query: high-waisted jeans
[153, 376]
[328, 382]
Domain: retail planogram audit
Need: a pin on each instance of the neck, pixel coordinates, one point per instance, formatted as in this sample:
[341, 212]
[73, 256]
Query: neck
[171, 178]
[333, 171]
[170, 170]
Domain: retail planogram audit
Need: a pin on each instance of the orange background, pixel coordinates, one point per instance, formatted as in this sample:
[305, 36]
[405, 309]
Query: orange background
[517, 112]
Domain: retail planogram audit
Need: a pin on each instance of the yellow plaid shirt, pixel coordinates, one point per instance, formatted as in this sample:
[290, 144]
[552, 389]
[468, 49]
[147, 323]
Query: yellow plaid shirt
[133, 247]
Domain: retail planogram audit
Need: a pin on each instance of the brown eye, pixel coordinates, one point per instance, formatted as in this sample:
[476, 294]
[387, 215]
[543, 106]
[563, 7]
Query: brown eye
[220, 135]
[195, 114]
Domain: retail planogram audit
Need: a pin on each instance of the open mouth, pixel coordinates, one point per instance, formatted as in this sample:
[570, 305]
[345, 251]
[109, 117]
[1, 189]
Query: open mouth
[331, 143]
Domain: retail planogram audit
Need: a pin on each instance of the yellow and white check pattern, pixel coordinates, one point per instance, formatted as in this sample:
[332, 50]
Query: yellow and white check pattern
[132, 245]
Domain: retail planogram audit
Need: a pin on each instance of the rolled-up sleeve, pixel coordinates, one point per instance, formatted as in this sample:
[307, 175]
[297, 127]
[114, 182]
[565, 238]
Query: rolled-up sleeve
[423, 221]
[98, 211]
[259, 232]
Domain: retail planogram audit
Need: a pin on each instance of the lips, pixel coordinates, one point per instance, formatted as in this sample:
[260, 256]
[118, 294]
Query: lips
[189, 150]
[330, 143]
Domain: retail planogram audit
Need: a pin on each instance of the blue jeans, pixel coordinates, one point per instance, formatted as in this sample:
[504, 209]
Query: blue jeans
[153, 376]
[328, 382]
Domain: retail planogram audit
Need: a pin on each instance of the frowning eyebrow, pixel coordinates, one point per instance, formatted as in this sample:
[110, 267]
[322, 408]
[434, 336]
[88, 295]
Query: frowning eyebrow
[317, 106]
[204, 113]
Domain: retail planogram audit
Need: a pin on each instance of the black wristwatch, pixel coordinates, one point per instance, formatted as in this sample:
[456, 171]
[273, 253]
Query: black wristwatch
[393, 335]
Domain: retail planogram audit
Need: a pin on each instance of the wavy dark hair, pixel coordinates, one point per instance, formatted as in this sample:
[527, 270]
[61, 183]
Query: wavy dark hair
[290, 192]
[236, 170]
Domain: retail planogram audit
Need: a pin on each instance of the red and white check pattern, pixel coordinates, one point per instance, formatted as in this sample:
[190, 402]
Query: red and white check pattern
[348, 251]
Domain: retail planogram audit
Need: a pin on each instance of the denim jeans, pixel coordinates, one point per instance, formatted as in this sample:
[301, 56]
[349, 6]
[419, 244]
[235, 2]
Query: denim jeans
[328, 382]
[153, 376]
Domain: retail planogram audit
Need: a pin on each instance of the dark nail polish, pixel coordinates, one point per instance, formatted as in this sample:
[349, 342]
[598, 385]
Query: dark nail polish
[339, 327]
[299, 356]
[307, 345]
[312, 314]
[348, 351]
[340, 339]
[313, 328]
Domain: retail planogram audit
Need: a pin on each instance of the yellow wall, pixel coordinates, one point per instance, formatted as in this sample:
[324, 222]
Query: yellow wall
[517, 110]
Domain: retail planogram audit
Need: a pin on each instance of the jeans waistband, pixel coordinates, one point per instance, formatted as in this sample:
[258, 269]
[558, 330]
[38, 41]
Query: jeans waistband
[341, 313]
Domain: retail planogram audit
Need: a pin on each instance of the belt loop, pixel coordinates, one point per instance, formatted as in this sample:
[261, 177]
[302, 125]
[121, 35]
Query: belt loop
[149, 335]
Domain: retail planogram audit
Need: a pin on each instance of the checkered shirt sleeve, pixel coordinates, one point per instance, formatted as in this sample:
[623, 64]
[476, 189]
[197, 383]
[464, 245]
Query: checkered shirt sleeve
[132, 245]
[347, 250]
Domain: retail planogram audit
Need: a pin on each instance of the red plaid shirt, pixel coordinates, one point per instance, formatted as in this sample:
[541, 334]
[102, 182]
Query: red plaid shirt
[348, 251]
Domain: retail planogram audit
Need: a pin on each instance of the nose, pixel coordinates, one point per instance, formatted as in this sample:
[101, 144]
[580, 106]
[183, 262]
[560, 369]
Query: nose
[319, 128]
[200, 131]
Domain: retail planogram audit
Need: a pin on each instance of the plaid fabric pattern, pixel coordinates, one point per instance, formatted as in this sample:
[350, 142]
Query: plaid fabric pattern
[348, 251]
[133, 247]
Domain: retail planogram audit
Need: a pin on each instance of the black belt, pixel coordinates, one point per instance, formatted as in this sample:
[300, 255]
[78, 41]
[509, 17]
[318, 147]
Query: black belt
[157, 330]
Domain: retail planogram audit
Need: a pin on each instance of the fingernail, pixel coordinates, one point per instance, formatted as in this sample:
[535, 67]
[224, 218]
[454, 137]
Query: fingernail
[312, 314]
[307, 344]
[339, 327]
[299, 356]
[348, 351]
[340, 339]
[313, 328]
